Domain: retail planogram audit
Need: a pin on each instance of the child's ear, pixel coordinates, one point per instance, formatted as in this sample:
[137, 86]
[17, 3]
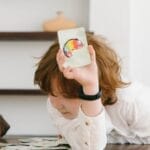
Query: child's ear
[4, 126]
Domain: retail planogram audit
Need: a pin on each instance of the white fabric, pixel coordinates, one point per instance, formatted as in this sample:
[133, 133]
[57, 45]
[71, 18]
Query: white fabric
[127, 121]
[130, 116]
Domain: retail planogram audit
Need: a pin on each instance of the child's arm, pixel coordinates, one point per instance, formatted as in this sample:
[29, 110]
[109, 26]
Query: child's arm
[87, 76]
[82, 133]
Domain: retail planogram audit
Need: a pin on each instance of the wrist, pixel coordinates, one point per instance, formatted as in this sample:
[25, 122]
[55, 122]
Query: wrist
[91, 89]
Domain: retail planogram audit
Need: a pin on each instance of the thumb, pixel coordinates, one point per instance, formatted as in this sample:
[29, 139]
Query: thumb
[92, 53]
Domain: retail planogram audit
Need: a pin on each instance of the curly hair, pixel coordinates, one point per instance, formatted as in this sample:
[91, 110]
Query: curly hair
[108, 68]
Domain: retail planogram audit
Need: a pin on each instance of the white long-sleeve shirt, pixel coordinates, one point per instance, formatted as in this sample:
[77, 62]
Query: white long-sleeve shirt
[127, 121]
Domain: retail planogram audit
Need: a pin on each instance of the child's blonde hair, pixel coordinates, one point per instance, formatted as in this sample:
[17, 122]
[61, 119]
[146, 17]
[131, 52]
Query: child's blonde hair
[108, 67]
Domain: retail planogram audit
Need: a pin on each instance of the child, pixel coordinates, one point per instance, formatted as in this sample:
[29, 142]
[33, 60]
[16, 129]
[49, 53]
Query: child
[91, 105]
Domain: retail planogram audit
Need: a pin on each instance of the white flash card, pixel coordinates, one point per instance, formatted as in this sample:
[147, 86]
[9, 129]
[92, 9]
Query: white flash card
[73, 42]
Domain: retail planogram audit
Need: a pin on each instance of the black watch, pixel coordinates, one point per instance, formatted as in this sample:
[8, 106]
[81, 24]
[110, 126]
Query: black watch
[89, 97]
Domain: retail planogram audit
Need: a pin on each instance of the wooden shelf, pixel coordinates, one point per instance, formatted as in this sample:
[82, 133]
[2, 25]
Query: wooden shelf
[20, 92]
[25, 36]
[29, 36]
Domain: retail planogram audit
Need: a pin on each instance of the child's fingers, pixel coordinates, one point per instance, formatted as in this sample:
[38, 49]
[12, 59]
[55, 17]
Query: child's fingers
[92, 53]
[68, 72]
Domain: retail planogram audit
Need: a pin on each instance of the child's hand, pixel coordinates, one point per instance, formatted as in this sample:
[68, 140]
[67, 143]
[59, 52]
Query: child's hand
[87, 75]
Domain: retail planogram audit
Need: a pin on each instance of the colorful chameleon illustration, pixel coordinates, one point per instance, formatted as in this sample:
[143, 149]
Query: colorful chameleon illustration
[71, 45]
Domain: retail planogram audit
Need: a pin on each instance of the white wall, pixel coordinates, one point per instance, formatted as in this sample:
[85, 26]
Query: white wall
[29, 15]
[17, 63]
[111, 20]
[126, 25]
[140, 40]
[27, 115]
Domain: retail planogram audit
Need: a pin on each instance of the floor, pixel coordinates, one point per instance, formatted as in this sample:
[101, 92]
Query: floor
[13, 143]
[127, 147]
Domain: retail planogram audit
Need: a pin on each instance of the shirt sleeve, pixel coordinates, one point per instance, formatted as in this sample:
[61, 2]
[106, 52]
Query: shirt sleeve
[132, 111]
[139, 113]
[83, 132]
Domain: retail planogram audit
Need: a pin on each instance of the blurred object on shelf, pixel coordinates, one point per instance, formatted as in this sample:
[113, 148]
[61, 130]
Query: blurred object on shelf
[4, 126]
[58, 23]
